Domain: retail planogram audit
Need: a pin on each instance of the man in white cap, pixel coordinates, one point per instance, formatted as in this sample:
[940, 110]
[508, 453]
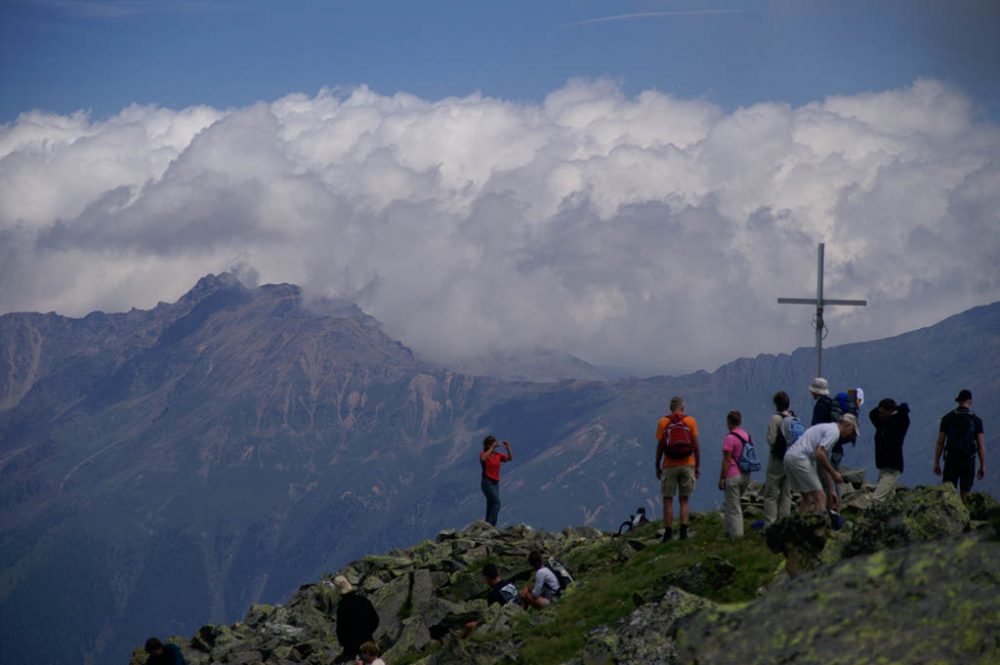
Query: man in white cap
[809, 454]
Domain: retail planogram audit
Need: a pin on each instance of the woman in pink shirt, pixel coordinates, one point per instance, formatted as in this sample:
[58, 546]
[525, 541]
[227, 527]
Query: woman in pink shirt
[731, 480]
[491, 460]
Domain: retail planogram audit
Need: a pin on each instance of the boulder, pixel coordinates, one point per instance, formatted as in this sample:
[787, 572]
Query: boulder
[703, 577]
[414, 638]
[980, 505]
[644, 635]
[801, 539]
[854, 477]
[924, 603]
[918, 515]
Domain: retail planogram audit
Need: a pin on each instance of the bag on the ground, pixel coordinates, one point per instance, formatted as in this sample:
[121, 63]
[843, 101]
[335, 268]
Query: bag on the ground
[680, 442]
[961, 435]
[789, 432]
[748, 461]
[561, 572]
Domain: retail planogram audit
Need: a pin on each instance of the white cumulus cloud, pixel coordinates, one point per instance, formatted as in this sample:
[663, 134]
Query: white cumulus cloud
[650, 232]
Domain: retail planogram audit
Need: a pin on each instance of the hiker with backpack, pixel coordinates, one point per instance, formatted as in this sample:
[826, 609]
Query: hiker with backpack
[678, 464]
[501, 591]
[777, 492]
[809, 455]
[961, 438]
[546, 587]
[891, 422]
[739, 458]
[490, 460]
[824, 410]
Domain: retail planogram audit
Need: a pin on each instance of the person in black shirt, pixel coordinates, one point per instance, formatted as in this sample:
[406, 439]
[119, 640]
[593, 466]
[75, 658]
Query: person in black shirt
[501, 591]
[891, 422]
[163, 654]
[357, 620]
[961, 438]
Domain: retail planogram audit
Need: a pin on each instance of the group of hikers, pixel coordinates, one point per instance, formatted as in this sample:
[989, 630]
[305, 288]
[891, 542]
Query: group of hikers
[807, 459]
[803, 459]
[800, 459]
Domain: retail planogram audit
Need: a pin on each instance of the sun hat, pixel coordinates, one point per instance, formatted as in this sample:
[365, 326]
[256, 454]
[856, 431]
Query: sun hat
[819, 386]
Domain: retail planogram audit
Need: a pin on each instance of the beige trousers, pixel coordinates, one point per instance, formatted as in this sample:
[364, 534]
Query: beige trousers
[777, 492]
[886, 486]
[732, 510]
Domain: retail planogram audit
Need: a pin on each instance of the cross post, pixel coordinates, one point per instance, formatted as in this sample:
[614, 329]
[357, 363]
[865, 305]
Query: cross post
[820, 302]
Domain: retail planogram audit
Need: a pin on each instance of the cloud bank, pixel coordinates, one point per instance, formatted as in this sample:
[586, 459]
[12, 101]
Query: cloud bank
[651, 232]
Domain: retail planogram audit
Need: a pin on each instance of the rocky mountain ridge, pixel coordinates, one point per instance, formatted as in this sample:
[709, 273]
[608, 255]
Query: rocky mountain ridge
[911, 580]
[236, 442]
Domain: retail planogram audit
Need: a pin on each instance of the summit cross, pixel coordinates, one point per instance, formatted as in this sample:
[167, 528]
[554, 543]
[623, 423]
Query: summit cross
[820, 302]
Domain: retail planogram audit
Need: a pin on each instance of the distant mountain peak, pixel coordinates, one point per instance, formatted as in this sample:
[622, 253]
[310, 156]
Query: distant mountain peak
[211, 284]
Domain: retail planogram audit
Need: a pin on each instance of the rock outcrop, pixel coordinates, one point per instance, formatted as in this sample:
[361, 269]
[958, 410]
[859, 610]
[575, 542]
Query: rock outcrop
[932, 602]
[906, 581]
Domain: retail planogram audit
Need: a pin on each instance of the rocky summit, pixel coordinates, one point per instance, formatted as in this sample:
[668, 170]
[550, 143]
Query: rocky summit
[912, 580]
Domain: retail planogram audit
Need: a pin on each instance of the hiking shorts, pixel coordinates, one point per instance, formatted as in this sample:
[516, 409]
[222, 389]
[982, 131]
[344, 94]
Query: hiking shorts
[803, 476]
[960, 471]
[677, 478]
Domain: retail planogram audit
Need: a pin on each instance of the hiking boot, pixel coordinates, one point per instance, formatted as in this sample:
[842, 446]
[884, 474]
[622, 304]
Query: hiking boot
[668, 534]
[684, 531]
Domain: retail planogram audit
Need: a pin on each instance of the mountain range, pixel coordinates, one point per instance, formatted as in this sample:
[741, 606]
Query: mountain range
[162, 468]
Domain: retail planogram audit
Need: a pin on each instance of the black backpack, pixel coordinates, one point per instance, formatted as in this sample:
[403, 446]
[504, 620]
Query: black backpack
[961, 434]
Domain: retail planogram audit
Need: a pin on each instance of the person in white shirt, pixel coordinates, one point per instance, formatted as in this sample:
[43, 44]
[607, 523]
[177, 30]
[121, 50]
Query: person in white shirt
[811, 452]
[546, 587]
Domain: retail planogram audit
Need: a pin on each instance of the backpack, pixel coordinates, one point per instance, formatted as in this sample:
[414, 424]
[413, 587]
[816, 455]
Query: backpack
[561, 572]
[748, 461]
[509, 593]
[789, 432]
[679, 443]
[962, 434]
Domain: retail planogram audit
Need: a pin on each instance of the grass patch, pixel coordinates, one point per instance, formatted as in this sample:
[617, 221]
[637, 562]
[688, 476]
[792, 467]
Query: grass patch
[605, 586]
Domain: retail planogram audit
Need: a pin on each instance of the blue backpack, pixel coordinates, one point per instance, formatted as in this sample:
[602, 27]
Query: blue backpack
[791, 429]
[748, 461]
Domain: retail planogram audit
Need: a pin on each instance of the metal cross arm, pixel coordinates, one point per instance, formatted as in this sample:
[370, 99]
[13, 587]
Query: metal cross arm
[820, 302]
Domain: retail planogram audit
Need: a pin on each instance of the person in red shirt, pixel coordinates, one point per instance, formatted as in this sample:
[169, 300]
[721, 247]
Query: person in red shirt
[490, 459]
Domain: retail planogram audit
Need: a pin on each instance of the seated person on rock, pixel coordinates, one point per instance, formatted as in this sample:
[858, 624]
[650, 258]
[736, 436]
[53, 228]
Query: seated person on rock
[501, 592]
[546, 588]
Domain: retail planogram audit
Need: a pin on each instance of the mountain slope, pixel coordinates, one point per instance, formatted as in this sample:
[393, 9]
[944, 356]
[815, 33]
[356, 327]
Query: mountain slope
[166, 467]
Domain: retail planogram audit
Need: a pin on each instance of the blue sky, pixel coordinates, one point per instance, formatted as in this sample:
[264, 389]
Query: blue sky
[533, 213]
[64, 55]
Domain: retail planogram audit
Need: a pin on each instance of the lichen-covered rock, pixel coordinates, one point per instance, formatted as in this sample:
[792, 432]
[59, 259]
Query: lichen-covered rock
[644, 635]
[801, 538]
[927, 603]
[919, 515]
[980, 505]
[704, 577]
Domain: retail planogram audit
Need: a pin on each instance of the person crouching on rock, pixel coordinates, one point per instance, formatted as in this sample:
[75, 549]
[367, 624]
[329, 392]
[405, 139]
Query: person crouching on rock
[546, 587]
[810, 453]
[357, 620]
[490, 460]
